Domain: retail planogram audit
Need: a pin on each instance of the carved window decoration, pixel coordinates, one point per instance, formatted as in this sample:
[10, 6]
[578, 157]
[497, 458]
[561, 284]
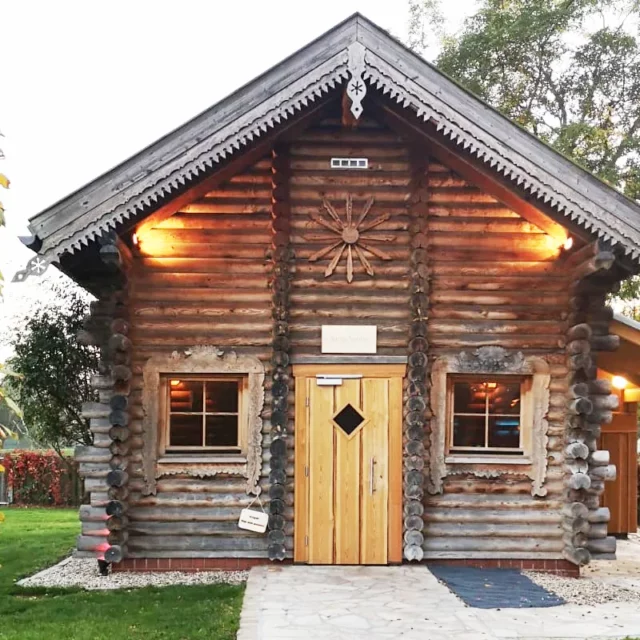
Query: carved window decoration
[488, 415]
[473, 434]
[347, 237]
[349, 419]
[202, 416]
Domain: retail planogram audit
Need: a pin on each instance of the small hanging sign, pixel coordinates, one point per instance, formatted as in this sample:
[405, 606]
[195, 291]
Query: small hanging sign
[253, 520]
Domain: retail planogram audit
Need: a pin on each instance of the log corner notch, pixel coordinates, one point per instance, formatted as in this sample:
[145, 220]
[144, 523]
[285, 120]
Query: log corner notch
[416, 409]
[104, 522]
[590, 403]
[282, 257]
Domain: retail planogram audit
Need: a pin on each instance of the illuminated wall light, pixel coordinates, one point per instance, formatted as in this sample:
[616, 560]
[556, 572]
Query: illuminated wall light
[134, 239]
[568, 243]
[619, 382]
[175, 383]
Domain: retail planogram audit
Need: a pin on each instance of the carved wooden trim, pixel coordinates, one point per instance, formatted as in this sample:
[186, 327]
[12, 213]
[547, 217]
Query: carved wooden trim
[495, 361]
[202, 360]
[211, 149]
[416, 408]
[282, 258]
[348, 239]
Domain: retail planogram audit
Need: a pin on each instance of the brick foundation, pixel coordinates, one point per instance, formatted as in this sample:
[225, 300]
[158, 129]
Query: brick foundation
[188, 564]
[557, 567]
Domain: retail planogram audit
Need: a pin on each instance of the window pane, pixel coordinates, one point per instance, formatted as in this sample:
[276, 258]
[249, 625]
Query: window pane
[222, 431]
[222, 396]
[505, 398]
[186, 395]
[504, 432]
[469, 397]
[468, 431]
[185, 431]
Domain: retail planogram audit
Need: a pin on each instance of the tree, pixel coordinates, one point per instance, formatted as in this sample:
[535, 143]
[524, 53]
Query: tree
[55, 372]
[567, 70]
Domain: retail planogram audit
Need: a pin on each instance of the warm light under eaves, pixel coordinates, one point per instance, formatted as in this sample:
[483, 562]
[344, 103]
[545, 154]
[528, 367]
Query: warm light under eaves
[568, 243]
[175, 383]
[619, 382]
[134, 239]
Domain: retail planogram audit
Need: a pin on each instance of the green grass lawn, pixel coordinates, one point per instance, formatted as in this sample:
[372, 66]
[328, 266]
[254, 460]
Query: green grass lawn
[31, 539]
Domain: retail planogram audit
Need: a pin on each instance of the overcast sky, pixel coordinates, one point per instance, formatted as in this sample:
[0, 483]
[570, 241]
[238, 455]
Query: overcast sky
[85, 84]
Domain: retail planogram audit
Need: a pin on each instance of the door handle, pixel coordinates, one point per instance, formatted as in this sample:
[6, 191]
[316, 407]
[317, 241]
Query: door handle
[372, 487]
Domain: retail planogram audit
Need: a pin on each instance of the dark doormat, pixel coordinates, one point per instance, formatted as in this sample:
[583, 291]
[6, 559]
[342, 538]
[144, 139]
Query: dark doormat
[494, 588]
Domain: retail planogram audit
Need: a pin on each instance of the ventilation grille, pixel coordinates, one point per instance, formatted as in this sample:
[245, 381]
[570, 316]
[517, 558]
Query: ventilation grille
[349, 163]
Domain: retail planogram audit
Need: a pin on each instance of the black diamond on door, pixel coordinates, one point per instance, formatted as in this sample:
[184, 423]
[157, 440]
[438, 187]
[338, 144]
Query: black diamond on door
[348, 419]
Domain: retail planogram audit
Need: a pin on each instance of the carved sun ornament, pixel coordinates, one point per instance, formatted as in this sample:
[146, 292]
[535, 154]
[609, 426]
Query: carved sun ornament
[347, 237]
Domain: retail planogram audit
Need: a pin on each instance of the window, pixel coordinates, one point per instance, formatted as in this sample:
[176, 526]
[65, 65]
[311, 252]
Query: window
[204, 413]
[486, 414]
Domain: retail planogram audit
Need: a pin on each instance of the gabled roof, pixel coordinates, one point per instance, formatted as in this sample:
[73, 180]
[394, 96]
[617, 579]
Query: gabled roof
[353, 50]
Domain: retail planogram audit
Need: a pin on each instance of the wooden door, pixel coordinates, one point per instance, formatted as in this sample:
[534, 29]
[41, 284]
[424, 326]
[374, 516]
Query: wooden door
[348, 507]
[620, 438]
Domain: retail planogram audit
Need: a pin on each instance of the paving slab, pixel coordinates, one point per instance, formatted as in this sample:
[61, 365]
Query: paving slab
[407, 603]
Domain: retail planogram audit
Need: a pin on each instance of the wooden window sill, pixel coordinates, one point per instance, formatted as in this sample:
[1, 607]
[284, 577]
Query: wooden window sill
[203, 459]
[487, 459]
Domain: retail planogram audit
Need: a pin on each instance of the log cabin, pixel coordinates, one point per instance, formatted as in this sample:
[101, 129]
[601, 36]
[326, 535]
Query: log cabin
[352, 295]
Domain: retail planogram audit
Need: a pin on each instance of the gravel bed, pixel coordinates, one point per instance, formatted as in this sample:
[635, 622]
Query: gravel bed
[583, 590]
[83, 572]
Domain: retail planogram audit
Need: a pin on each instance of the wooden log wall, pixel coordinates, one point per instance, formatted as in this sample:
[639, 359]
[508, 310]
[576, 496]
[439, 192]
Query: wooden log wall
[590, 404]
[417, 383]
[203, 277]
[382, 300]
[232, 269]
[105, 466]
[496, 280]
[281, 377]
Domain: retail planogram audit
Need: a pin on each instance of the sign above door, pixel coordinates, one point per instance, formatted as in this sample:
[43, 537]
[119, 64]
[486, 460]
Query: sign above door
[338, 338]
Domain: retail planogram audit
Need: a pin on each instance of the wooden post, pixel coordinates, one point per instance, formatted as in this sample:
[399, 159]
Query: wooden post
[107, 328]
[589, 403]
[282, 256]
[417, 391]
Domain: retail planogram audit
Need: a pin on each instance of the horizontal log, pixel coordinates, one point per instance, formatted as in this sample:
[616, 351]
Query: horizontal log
[610, 402]
[200, 543]
[578, 481]
[575, 539]
[602, 545]
[462, 516]
[605, 343]
[597, 531]
[602, 386]
[606, 473]
[575, 510]
[95, 410]
[576, 450]
[580, 406]
[575, 525]
[579, 556]
[91, 454]
[599, 458]
[600, 515]
[502, 545]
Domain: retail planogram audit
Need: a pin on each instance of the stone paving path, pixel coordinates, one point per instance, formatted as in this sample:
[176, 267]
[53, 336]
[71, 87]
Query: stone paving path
[408, 603]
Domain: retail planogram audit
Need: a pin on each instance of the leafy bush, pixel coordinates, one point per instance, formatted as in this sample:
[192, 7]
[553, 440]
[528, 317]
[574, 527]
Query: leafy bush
[42, 478]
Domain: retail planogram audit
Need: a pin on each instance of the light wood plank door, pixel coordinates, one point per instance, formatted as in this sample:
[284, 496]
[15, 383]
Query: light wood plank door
[348, 448]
